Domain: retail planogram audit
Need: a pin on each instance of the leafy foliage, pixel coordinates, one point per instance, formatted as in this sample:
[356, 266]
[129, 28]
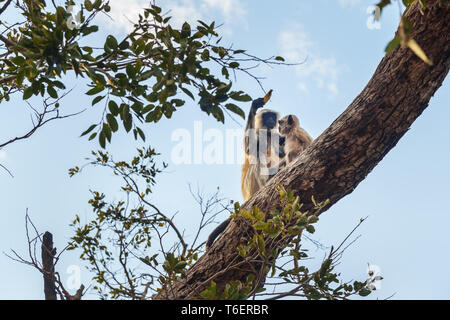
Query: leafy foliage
[126, 244]
[142, 77]
[403, 38]
[127, 230]
[126, 247]
[275, 247]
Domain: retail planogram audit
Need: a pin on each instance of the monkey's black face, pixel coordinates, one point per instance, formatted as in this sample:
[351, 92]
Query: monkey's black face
[269, 120]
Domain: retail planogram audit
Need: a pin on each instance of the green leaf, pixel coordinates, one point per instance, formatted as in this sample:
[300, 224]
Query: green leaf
[87, 49]
[112, 122]
[186, 30]
[97, 99]
[148, 108]
[111, 42]
[102, 140]
[94, 90]
[177, 102]
[141, 133]
[364, 292]
[223, 89]
[310, 228]
[205, 104]
[180, 266]
[145, 75]
[225, 72]
[235, 109]
[205, 55]
[131, 72]
[313, 219]
[124, 45]
[188, 93]
[107, 131]
[260, 225]
[240, 96]
[113, 107]
[124, 110]
[92, 136]
[20, 77]
[383, 3]
[241, 251]
[151, 116]
[218, 114]
[279, 58]
[88, 5]
[407, 2]
[88, 130]
[27, 93]
[128, 122]
[19, 60]
[58, 84]
[97, 4]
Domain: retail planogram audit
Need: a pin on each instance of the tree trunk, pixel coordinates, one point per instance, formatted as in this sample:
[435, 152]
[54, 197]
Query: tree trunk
[48, 267]
[345, 153]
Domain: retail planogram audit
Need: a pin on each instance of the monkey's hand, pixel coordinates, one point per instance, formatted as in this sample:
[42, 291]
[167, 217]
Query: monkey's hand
[257, 103]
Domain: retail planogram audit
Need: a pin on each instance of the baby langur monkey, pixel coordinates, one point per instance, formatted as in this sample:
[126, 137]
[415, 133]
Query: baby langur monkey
[297, 139]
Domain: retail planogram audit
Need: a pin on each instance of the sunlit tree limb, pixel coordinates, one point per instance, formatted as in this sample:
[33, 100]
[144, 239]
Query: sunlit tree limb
[347, 151]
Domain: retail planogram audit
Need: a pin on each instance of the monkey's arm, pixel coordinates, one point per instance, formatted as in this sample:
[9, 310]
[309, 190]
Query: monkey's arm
[256, 104]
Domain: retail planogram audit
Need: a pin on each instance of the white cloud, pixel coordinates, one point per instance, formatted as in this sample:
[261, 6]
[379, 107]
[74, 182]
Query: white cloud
[124, 13]
[181, 12]
[296, 46]
[303, 87]
[230, 9]
[2, 155]
[229, 12]
[348, 3]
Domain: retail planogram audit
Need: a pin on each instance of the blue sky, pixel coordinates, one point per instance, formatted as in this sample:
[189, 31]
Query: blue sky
[405, 196]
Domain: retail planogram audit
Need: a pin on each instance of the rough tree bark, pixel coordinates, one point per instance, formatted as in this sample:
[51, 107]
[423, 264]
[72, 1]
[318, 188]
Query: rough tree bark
[345, 153]
[48, 267]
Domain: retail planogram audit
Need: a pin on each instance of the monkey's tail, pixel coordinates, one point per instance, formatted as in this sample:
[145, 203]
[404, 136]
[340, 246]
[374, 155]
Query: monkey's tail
[217, 231]
[244, 173]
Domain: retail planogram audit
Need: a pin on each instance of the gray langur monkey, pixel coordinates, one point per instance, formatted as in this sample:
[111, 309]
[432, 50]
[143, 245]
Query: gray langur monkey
[263, 147]
[264, 151]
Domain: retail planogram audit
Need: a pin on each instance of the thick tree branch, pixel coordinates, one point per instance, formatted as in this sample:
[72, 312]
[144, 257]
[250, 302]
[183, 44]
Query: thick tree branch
[7, 42]
[48, 267]
[351, 147]
[5, 6]
[53, 286]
